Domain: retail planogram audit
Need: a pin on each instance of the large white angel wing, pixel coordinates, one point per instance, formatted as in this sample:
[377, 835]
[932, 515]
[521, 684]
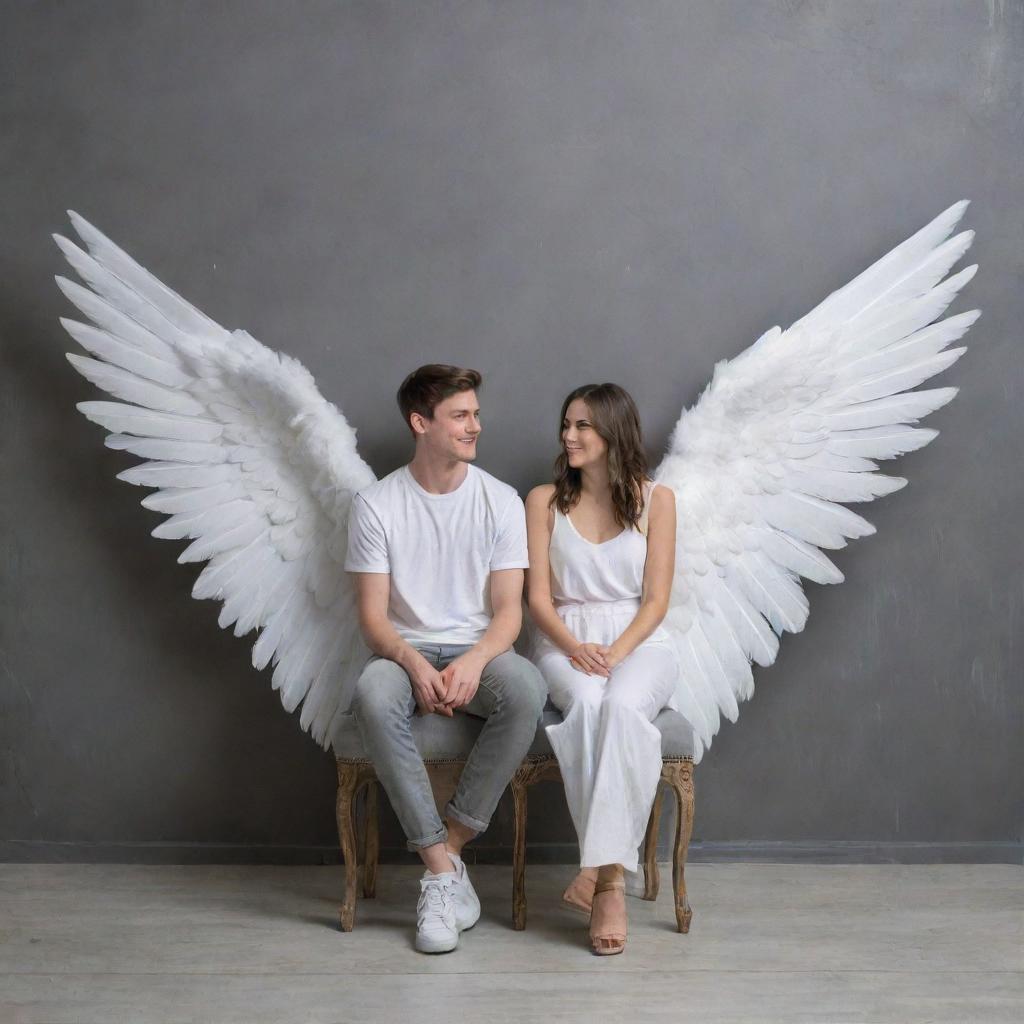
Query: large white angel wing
[782, 436]
[249, 461]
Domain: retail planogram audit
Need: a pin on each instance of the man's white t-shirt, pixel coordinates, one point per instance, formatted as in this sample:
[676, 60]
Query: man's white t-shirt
[439, 549]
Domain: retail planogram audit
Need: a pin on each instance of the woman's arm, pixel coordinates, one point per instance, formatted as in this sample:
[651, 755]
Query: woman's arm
[658, 571]
[538, 585]
[538, 576]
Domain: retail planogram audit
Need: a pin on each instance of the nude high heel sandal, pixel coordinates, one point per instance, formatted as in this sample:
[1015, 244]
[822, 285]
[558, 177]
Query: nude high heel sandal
[608, 943]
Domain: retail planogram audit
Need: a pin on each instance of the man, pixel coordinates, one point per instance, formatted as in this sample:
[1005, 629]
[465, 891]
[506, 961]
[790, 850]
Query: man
[438, 550]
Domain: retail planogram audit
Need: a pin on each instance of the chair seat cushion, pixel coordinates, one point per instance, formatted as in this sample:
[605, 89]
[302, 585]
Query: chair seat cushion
[450, 739]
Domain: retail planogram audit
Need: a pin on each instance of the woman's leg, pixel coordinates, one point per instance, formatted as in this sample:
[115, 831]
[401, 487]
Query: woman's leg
[578, 696]
[627, 768]
[579, 893]
[608, 920]
[608, 751]
[626, 757]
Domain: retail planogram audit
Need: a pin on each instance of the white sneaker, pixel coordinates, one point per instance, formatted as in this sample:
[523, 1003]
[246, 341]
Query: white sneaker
[467, 903]
[436, 930]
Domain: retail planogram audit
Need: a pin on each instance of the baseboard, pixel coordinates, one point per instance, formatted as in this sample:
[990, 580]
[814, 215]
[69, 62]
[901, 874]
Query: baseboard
[25, 851]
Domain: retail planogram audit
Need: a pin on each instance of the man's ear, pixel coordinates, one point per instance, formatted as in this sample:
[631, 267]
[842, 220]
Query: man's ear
[418, 423]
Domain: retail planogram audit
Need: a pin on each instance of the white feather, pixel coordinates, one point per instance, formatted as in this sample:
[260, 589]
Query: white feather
[193, 497]
[118, 353]
[179, 474]
[162, 450]
[126, 385]
[881, 442]
[907, 408]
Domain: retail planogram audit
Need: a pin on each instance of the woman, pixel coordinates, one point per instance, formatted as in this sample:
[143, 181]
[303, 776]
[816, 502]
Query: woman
[598, 589]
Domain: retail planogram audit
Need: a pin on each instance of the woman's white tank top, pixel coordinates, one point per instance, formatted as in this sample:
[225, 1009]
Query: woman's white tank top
[596, 588]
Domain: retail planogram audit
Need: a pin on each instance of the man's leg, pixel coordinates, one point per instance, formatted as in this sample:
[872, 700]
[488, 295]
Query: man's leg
[383, 706]
[511, 698]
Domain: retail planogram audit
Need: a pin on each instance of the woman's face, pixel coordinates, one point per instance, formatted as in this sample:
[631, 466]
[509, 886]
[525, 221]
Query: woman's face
[582, 443]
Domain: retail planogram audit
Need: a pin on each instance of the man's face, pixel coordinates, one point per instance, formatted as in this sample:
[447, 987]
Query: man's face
[453, 431]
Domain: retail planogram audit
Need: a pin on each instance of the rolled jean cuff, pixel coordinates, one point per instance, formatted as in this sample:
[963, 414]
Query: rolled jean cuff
[440, 836]
[477, 824]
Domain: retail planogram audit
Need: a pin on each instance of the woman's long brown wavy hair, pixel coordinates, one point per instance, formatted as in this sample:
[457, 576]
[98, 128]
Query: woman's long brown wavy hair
[614, 416]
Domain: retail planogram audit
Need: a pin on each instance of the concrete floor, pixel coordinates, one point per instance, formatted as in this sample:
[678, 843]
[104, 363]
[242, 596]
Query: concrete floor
[780, 943]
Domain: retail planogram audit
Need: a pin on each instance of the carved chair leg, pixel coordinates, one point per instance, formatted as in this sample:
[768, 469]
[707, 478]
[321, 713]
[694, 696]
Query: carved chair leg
[679, 775]
[348, 784]
[371, 842]
[651, 879]
[518, 786]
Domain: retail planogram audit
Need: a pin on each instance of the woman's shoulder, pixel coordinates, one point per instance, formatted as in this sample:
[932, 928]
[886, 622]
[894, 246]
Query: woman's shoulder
[540, 495]
[660, 498]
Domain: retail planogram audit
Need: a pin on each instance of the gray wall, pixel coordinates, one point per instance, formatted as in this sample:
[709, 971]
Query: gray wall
[552, 192]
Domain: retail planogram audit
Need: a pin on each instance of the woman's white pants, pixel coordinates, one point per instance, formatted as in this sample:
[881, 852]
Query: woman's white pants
[608, 751]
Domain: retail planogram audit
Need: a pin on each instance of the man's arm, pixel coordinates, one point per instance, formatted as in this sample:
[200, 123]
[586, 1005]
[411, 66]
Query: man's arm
[462, 676]
[373, 591]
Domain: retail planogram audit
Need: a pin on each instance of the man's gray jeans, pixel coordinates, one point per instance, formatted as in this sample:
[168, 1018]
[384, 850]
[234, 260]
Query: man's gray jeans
[510, 699]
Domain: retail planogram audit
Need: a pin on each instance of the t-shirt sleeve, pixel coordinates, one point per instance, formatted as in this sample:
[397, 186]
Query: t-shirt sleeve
[367, 543]
[510, 548]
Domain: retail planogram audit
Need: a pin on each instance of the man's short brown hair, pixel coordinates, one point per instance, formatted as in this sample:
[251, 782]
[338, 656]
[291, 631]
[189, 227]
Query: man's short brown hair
[430, 385]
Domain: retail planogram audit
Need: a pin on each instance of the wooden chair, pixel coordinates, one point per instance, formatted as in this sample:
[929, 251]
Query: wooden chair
[444, 745]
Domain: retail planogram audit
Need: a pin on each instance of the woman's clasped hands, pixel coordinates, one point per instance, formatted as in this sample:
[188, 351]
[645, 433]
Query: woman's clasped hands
[594, 659]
